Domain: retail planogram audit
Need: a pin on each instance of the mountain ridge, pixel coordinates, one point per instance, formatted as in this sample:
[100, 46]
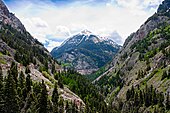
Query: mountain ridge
[10, 18]
[84, 45]
[142, 63]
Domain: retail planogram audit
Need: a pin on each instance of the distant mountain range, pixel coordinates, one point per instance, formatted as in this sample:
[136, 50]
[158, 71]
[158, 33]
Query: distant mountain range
[86, 52]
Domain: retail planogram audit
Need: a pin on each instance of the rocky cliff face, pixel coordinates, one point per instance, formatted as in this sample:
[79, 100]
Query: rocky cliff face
[86, 52]
[10, 19]
[142, 62]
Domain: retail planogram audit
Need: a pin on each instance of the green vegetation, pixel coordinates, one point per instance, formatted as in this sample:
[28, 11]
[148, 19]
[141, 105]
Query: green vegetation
[20, 94]
[25, 95]
[166, 74]
[143, 46]
[2, 61]
[49, 77]
[93, 76]
[85, 90]
[27, 48]
[137, 98]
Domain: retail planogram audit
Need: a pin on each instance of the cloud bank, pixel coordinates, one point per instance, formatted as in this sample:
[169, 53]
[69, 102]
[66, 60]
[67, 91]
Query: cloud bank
[53, 21]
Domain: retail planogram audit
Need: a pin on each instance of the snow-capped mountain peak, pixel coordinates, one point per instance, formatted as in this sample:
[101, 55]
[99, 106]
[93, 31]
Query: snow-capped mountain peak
[86, 31]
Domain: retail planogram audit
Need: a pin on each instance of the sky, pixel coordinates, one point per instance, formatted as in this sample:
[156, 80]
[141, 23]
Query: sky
[53, 21]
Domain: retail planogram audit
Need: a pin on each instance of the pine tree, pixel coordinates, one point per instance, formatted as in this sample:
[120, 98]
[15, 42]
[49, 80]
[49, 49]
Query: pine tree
[28, 83]
[55, 97]
[167, 103]
[128, 94]
[169, 73]
[1, 93]
[14, 72]
[27, 70]
[147, 102]
[43, 99]
[164, 75]
[11, 104]
[21, 80]
[61, 105]
[136, 99]
[46, 65]
[60, 82]
[140, 97]
[154, 101]
[53, 68]
[67, 107]
[160, 99]
[0, 71]
[132, 92]
[56, 76]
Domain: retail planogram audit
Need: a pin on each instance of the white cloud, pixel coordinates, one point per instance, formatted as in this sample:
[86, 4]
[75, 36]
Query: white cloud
[62, 31]
[48, 22]
[113, 35]
[39, 22]
[152, 2]
[52, 44]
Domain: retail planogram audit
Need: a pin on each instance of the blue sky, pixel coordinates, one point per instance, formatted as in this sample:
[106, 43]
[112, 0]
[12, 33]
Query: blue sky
[53, 21]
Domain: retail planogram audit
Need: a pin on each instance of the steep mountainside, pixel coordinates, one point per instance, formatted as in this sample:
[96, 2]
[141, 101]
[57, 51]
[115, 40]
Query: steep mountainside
[138, 78]
[31, 81]
[86, 52]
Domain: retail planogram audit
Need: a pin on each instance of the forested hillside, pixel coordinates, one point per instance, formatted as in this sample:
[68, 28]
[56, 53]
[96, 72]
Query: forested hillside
[31, 81]
[138, 78]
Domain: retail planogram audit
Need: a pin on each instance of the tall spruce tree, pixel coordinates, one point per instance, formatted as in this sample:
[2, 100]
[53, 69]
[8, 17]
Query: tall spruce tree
[61, 105]
[27, 70]
[21, 80]
[167, 103]
[28, 83]
[11, 104]
[14, 72]
[55, 97]
[43, 99]
[1, 92]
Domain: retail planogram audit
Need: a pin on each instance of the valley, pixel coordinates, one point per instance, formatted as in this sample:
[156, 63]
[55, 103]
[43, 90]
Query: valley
[87, 73]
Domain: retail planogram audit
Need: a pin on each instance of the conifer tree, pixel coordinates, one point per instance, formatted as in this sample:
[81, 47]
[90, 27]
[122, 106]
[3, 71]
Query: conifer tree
[164, 75]
[11, 104]
[67, 107]
[154, 101]
[55, 97]
[28, 83]
[14, 72]
[21, 80]
[43, 99]
[1, 92]
[167, 103]
[136, 100]
[140, 97]
[27, 70]
[169, 73]
[53, 68]
[160, 99]
[60, 82]
[61, 105]
[0, 70]
[128, 95]
[132, 92]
